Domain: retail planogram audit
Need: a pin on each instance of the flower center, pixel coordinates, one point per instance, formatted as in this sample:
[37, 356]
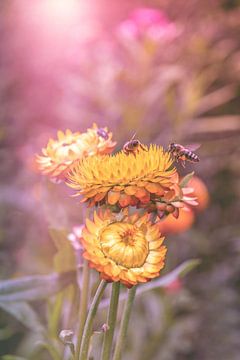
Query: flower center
[125, 244]
[67, 144]
[67, 149]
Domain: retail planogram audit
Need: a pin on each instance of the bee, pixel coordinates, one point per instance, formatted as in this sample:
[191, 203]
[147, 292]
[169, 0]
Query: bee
[102, 133]
[182, 154]
[133, 146]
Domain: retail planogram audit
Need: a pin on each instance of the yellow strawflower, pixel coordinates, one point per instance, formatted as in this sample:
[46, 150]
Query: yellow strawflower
[145, 179]
[129, 250]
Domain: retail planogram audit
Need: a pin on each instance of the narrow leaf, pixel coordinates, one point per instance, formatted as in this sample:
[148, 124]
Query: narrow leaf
[6, 333]
[34, 287]
[24, 313]
[12, 357]
[65, 259]
[162, 281]
[166, 280]
[186, 179]
[54, 315]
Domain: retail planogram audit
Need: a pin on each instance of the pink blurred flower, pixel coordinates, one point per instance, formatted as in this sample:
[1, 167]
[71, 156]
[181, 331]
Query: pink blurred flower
[75, 236]
[149, 23]
[147, 17]
[174, 287]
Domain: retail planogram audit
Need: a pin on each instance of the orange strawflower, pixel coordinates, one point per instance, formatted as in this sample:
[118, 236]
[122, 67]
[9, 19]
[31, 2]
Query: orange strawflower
[129, 250]
[146, 179]
[60, 154]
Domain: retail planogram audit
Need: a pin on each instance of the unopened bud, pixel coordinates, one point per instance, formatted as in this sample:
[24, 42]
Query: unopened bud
[161, 214]
[66, 336]
[176, 213]
[169, 208]
[161, 206]
[105, 327]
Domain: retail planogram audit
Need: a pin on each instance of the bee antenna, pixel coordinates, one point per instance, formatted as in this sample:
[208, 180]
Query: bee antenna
[133, 136]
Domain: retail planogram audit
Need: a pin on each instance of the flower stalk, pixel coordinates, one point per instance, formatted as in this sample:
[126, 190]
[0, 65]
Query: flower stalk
[124, 324]
[87, 333]
[111, 321]
[83, 305]
[123, 246]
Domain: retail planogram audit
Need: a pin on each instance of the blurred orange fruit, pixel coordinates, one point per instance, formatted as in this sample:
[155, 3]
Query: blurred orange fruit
[171, 225]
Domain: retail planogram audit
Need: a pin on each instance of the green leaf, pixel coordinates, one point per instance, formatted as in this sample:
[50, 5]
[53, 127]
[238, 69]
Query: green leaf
[6, 333]
[34, 287]
[162, 281]
[65, 259]
[12, 357]
[186, 179]
[187, 266]
[166, 280]
[54, 314]
[24, 313]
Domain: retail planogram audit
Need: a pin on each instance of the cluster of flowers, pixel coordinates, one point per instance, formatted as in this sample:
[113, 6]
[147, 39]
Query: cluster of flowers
[148, 24]
[130, 193]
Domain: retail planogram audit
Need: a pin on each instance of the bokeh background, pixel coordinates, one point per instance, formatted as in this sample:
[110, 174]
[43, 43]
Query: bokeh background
[168, 70]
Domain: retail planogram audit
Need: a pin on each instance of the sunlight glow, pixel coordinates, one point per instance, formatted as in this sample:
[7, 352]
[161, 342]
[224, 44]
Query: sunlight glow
[60, 13]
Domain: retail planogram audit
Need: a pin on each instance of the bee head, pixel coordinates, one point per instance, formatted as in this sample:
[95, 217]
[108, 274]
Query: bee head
[102, 133]
[135, 143]
[171, 146]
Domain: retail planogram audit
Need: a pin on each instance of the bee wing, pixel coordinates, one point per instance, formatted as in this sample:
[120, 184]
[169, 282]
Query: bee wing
[193, 147]
[133, 136]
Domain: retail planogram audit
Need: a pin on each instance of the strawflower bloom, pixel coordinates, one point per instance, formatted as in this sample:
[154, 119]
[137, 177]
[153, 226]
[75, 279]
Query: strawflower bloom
[59, 155]
[147, 179]
[129, 250]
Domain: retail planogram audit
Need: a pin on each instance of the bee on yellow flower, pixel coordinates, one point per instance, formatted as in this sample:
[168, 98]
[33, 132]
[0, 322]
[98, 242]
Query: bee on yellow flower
[144, 179]
[133, 146]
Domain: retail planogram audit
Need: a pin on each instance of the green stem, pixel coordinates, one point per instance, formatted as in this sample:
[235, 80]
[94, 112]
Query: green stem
[124, 324]
[111, 321]
[89, 322]
[55, 315]
[83, 305]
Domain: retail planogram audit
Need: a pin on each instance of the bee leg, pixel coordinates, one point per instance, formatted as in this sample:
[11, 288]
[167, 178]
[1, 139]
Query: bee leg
[183, 163]
[143, 147]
